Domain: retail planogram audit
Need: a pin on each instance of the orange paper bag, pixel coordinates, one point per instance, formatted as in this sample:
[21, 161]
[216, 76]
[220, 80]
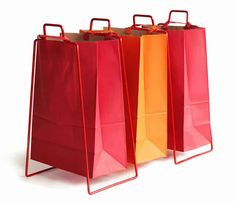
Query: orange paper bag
[145, 56]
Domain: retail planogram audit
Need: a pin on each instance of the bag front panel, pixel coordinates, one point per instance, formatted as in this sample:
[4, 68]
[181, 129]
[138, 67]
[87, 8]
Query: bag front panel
[197, 130]
[57, 132]
[152, 101]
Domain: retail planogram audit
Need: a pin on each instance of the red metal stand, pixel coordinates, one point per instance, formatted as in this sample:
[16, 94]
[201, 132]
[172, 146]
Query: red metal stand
[62, 37]
[173, 122]
[27, 174]
[83, 113]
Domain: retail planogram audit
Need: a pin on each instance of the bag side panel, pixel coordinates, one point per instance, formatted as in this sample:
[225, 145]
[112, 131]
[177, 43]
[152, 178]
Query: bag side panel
[110, 137]
[131, 49]
[176, 66]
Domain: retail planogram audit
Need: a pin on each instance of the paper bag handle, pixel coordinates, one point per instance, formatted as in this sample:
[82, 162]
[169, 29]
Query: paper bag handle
[150, 29]
[187, 24]
[99, 19]
[52, 37]
[53, 25]
[141, 15]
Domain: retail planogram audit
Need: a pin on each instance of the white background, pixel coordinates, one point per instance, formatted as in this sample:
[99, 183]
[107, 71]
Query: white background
[207, 179]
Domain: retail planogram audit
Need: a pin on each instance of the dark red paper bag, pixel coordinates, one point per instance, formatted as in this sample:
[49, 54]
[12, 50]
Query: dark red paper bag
[189, 127]
[77, 104]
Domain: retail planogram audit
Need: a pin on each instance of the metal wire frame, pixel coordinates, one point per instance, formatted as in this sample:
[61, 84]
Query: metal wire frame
[27, 174]
[173, 121]
[90, 192]
[129, 114]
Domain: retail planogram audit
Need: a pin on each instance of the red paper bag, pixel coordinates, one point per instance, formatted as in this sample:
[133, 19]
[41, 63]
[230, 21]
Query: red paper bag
[57, 124]
[189, 87]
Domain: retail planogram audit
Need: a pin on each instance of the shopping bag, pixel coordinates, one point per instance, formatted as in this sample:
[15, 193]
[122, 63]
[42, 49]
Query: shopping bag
[77, 114]
[145, 54]
[189, 125]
